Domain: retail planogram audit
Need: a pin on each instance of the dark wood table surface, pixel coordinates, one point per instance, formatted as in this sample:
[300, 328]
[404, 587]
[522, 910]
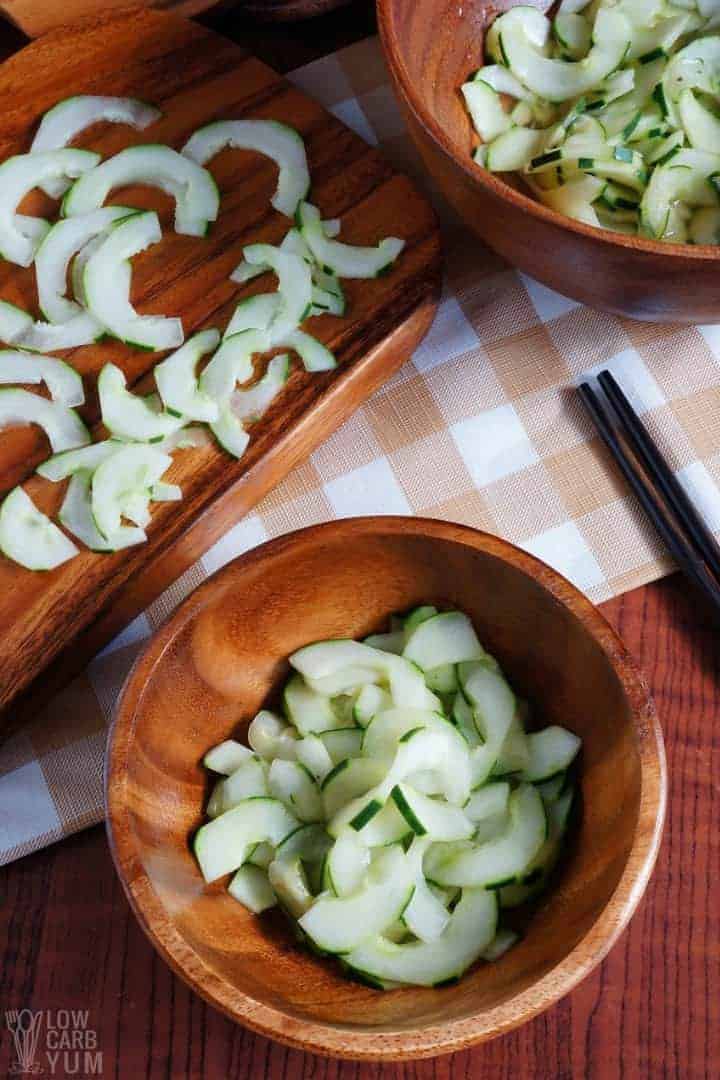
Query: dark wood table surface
[651, 1010]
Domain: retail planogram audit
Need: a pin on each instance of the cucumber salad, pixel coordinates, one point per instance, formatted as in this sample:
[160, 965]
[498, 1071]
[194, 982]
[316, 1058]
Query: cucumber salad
[610, 112]
[210, 385]
[398, 808]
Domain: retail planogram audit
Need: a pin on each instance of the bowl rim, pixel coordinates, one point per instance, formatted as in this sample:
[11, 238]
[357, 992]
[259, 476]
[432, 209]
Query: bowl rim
[412, 100]
[406, 1043]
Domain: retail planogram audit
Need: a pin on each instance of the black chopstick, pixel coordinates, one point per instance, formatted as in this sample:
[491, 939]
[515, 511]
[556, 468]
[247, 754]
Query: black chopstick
[683, 552]
[659, 470]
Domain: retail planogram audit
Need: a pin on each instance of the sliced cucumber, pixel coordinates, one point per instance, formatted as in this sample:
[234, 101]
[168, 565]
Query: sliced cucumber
[503, 940]
[247, 781]
[315, 756]
[121, 477]
[232, 363]
[288, 880]
[469, 932]
[250, 885]
[513, 150]
[342, 743]
[306, 709]
[347, 863]
[29, 537]
[430, 817]
[62, 425]
[249, 405]
[426, 916]
[86, 459]
[177, 380]
[221, 845]
[552, 750]
[343, 259]
[683, 180]
[61, 124]
[574, 34]
[442, 679]
[294, 287]
[227, 756]
[271, 737]
[514, 755]
[294, 785]
[63, 382]
[314, 355]
[76, 517]
[194, 190]
[253, 313]
[702, 127]
[448, 638]
[535, 877]
[277, 141]
[503, 81]
[349, 779]
[112, 307]
[488, 802]
[128, 416]
[486, 110]
[18, 176]
[505, 859]
[393, 642]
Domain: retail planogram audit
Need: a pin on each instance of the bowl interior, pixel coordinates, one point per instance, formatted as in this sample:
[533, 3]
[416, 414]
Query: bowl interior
[222, 656]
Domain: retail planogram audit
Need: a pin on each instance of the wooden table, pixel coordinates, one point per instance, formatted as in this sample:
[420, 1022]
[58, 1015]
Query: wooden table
[68, 940]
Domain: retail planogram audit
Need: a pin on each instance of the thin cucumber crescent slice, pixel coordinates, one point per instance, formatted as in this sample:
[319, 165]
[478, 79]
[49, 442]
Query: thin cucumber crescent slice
[18, 176]
[227, 756]
[294, 287]
[61, 124]
[177, 381]
[246, 782]
[107, 296]
[221, 846]
[253, 313]
[60, 245]
[85, 459]
[552, 750]
[232, 364]
[345, 260]
[30, 538]
[249, 405]
[63, 382]
[76, 516]
[197, 201]
[63, 427]
[294, 785]
[128, 416]
[486, 110]
[469, 932]
[250, 885]
[271, 737]
[277, 141]
[448, 638]
[118, 481]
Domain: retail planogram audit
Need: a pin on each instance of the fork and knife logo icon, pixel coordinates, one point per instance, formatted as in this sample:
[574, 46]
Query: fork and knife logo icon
[24, 1026]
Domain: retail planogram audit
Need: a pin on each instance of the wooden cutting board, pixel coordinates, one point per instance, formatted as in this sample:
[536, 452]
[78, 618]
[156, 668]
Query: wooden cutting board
[51, 623]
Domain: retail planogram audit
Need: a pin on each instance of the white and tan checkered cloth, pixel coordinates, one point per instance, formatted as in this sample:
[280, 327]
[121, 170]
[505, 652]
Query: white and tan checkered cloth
[481, 427]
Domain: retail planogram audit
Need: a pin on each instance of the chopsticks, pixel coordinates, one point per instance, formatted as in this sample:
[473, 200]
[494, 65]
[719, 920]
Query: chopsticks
[663, 499]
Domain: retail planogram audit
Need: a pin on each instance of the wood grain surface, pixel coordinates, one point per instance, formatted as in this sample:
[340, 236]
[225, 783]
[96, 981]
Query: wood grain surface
[651, 1011]
[196, 76]
[37, 17]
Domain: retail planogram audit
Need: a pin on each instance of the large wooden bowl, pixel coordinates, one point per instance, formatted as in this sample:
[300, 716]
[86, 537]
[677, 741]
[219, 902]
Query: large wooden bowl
[431, 47]
[221, 655]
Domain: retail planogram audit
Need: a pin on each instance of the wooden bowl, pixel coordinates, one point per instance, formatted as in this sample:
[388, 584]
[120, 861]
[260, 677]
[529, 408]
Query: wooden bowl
[431, 47]
[221, 655]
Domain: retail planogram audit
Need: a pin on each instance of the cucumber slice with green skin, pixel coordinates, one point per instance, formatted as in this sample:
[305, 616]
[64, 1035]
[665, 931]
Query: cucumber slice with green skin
[551, 790]
[665, 149]
[288, 880]
[426, 916]
[294, 785]
[347, 863]
[63, 382]
[535, 878]
[704, 226]
[464, 719]
[249, 405]
[488, 801]
[326, 658]
[620, 198]
[552, 751]
[513, 150]
[557, 80]
[370, 701]
[61, 124]
[695, 66]
[701, 126]
[346, 681]
[348, 780]
[314, 355]
[429, 817]
[491, 699]
[448, 638]
[231, 364]
[193, 188]
[310, 842]
[177, 381]
[314, 755]
[654, 42]
[162, 492]
[575, 199]
[514, 754]
[379, 825]
[294, 286]
[271, 737]
[221, 845]
[500, 944]
[253, 313]
[384, 732]
[342, 743]
[85, 459]
[470, 930]
[277, 141]
[62, 425]
[503, 82]
[62, 242]
[111, 306]
[247, 781]
[345, 260]
[18, 176]
[132, 470]
[393, 642]
[488, 116]
[130, 417]
[227, 756]
[685, 180]
[29, 537]
[339, 924]
[442, 679]
[250, 885]
[417, 616]
[229, 432]
[308, 711]
[525, 19]
[441, 746]
[14, 322]
[76, 517]
[506, 858]
[574, 33]
[262, 855]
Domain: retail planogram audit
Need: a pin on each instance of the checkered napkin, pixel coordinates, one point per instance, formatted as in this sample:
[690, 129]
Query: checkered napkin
[481, 427]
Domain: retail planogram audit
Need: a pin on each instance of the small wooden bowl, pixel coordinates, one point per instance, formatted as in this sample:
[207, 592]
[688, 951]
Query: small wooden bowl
[222, 654]
[432, 47]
